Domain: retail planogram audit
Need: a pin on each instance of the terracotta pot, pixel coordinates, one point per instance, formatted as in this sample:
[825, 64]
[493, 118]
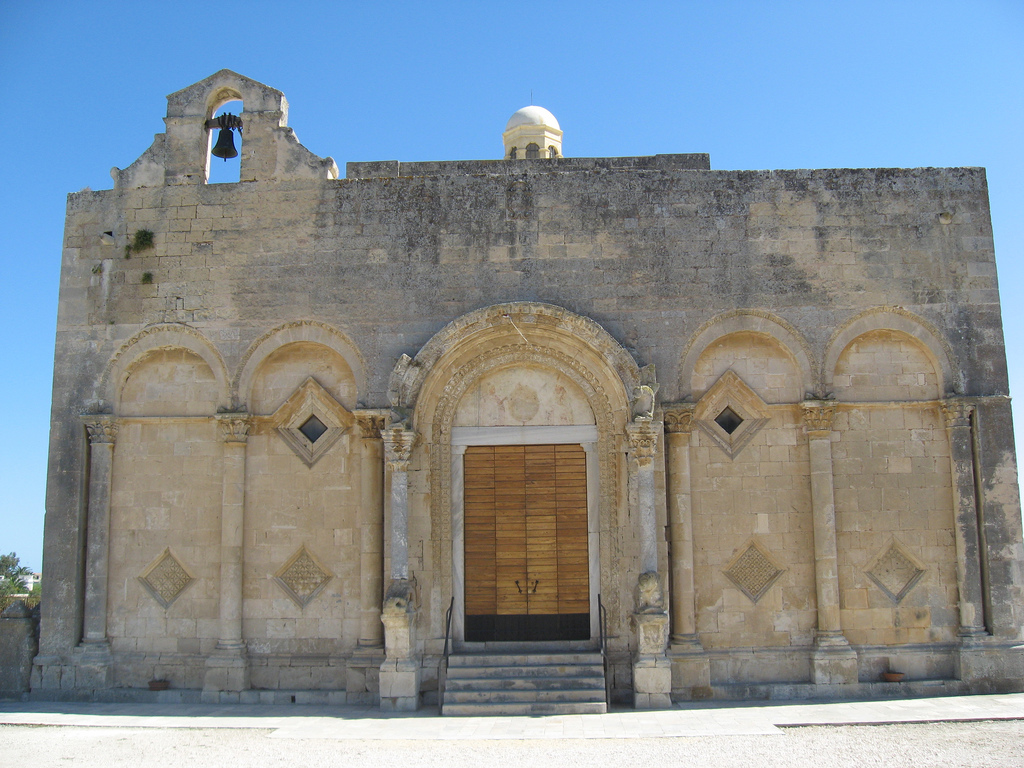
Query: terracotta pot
[893, 677]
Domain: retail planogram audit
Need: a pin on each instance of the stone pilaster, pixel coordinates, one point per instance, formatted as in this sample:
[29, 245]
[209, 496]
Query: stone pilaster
[833, 661]
[371, 529]
[652, 671]
[958, 413]
[400, 672]
[93, 661]
[691, 667]
[227, 668]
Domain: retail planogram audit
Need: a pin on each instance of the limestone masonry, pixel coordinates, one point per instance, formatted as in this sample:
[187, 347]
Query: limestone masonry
[539, 421]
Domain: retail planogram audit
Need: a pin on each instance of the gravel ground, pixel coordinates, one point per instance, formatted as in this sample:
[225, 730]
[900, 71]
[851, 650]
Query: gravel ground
[976, 744]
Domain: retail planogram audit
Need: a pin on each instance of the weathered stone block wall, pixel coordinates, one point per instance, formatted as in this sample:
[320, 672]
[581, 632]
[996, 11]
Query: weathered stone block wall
[19, 641]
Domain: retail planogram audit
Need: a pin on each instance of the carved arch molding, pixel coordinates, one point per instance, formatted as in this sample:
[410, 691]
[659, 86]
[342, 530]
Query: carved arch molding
[607, 447]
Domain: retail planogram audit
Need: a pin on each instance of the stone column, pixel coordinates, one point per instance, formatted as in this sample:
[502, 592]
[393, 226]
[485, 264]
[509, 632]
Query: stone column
[227, 668]
[691, 667]
[94, 662]
[652, 672]
[400, 672]
[833, 660]
[957, 413]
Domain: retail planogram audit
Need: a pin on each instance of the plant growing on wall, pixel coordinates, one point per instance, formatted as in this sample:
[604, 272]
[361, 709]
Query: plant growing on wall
[147, 278]
[142, 240]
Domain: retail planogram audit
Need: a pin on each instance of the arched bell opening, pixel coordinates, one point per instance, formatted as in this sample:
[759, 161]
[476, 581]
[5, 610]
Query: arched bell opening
[224, 147]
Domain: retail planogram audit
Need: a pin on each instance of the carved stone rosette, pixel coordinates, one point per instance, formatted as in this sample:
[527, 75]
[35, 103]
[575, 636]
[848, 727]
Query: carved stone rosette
[678, 418]
[643, 440]
[234, 427]
[398, 443]
[818, 415]
[956, 412]
[101, 429]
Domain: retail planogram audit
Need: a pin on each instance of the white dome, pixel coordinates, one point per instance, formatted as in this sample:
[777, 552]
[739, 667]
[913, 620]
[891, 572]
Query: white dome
[532, 115]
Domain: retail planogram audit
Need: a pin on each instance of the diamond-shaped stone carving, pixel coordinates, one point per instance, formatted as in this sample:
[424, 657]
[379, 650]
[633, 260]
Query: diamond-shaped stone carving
[753, 571]
[166, 578]
[311, 421]
[303, 576]
[895, 571]
[731, 413]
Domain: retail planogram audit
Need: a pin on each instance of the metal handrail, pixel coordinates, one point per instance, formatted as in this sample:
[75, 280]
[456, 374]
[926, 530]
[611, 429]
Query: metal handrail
[442, 674]
[602, 620]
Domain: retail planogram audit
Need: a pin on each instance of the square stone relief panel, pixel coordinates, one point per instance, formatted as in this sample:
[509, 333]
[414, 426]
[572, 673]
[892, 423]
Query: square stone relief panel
[753, 570]
[166, 578]
[895, 571]
[303, 576]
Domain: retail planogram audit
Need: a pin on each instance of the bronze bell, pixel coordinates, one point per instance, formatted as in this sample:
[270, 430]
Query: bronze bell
[225, 146]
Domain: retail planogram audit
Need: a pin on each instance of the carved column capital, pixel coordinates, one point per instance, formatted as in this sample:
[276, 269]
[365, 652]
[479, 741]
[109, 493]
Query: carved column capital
[643, 440]
[371, 423]
[102, 428]
[234, 427]
[678, 418]
[818, 416]
[398, 443]
[957, 412]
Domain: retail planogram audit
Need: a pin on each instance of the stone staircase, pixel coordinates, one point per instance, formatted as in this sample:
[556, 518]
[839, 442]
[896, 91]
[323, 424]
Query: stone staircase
[524, 684]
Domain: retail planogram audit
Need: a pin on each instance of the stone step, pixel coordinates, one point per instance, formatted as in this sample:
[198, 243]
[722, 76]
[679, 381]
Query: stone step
[524, 684]
[523, 696]
[522, 659]
[547, 671]
[498, 709]
[568, 683]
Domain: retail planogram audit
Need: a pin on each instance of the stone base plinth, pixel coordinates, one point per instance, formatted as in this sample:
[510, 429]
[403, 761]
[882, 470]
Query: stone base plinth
[691, 668]
[94, 666]
[834, 664]
[652, 682]
[400, 686]
[362, 676]
[227, 669]
[990, 666]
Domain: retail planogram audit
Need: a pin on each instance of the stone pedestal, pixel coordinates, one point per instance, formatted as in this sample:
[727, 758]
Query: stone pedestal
[362, 675]
[400, 672]
[652, 669]
[227, 669]
[691, 667]
[833, 661]
[94, 667]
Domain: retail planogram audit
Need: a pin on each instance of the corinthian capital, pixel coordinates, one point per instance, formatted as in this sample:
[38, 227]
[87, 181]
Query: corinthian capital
[234, 427]
[678, 418]
[818, 415]
[398, 444]
[643, 440]
[956, 412]
[371, 423]
[101, 429]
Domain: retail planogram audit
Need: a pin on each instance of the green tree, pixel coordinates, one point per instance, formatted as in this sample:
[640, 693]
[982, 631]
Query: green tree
[12, 578]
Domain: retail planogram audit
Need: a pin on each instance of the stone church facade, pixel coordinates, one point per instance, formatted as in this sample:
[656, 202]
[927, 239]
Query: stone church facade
[747, 432]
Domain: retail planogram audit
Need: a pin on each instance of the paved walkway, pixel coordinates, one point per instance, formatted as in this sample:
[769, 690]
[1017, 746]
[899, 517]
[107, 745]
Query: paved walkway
[705, 719]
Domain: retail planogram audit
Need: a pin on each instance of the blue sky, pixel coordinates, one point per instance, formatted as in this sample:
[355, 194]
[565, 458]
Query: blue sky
[756, 84]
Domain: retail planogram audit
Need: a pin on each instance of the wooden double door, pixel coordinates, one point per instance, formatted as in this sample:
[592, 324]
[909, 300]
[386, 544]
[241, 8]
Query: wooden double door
[526, 545]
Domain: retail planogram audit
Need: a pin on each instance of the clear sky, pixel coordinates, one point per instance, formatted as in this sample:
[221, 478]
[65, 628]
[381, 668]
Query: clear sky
[758, 85]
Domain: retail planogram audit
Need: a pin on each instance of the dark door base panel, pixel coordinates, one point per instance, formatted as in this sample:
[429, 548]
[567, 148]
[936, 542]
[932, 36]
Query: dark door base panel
[527, 628]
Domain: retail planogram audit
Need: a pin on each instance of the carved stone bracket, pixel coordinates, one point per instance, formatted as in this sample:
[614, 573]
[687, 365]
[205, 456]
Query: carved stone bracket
[234, 427]
[818, 415]
[102, 429]
[398, 443]
[957, 412]
[643, 440]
